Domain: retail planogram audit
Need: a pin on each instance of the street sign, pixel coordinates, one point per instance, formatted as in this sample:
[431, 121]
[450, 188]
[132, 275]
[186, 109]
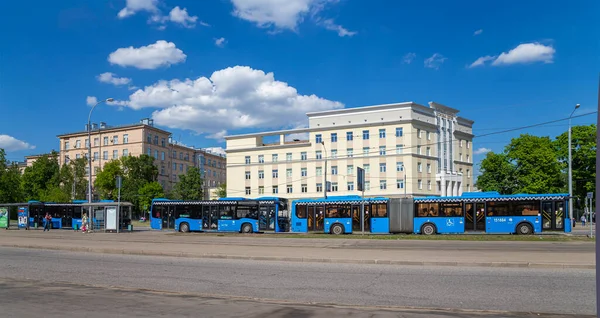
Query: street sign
[119, 182]
[328, 186]
[360, 179]
[590, 195]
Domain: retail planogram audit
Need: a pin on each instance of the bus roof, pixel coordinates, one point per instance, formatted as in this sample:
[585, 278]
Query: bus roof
[341, 199]
[493, 196]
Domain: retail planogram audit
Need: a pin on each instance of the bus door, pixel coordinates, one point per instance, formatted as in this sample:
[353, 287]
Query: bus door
[210, 217]
[315, 218]
[356, 218]
[169, 217]
[553, 215]
[475, 217]
[67, 217]
[266, 218]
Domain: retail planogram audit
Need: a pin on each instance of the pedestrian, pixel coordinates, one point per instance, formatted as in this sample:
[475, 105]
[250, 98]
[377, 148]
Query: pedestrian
[583, 220]
[48, 219]
[84, 221]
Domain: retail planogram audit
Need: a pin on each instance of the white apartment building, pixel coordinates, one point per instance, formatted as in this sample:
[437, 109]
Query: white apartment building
[406, 149]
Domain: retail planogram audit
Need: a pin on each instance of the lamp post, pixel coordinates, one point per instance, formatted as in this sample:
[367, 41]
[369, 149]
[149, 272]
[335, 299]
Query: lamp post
[325, 172]
[89, 129]
[405, 185]
[571, 169]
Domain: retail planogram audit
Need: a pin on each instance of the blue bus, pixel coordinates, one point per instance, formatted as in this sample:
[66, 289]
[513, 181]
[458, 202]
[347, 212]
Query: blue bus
[479, 212]
[267, 214]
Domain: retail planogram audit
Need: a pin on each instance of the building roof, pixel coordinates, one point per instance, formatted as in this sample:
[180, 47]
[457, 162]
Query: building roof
[111, 128]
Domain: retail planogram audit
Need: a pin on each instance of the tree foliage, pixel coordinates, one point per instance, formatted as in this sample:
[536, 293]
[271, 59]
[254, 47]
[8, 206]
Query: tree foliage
[11, 190]
[42, 177]
[148, 192]
[106, 180]
[497, 174]
[222, 190]
[189, 186]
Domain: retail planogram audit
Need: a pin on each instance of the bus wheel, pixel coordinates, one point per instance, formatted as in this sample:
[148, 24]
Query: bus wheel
[524, 229]
[247, 228]
[184, 227]
[337, 229]
[428, 229]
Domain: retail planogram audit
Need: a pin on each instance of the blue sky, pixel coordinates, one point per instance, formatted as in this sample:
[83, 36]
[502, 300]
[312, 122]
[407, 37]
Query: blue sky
[204, 69]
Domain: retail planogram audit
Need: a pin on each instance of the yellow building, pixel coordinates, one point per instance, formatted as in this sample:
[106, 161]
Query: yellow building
[405, 149]
[171, 158]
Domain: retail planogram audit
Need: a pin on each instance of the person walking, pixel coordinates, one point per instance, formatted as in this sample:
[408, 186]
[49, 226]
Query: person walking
[84, 221]
[48, 219]
[583, 220]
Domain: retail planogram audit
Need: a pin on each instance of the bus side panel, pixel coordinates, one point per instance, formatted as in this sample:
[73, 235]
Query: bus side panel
[508, 224]
[155, 223]
[194, 224]
[298, 225]
[380, 225]
[346, 222]
[76, 224]
[444, 225]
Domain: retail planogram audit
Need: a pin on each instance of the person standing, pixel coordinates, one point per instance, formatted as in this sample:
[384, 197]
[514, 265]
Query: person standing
[48, 219]
[84, 221]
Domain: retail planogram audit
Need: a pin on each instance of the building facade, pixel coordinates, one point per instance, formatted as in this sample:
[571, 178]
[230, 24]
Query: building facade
[171, 158]
[406, 149]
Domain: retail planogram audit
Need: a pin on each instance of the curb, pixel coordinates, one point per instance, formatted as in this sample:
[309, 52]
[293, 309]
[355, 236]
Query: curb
[309, 259]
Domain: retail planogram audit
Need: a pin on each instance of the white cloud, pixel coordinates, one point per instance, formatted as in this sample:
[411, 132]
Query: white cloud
[435, 61]
[161, 53]
[134, 6]
[220, 42]
[409, 57]
[299, 136]
[232, 98]
[9, 143]
[182, 17]
[478, 32]
[481, 151]
[219, 135]
[481, 61]
[91, 100]
[204, 24]
[216, 150]
[525, 53]
[111, 78]
[286, 14]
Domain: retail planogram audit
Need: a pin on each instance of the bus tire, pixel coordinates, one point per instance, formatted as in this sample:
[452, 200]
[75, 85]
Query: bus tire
[247, 228]
[184, 227]
[336, 229]
[524, 229]
[428, 229]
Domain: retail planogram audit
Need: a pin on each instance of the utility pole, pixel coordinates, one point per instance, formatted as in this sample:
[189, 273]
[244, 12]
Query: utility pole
[325, 172]
[571, 169]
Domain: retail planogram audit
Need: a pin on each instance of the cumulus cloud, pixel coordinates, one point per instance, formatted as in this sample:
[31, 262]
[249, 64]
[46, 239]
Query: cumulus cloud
[219, 135]
[409, 57]
[286, 14]
[181, 16]
[216, 150]
[435, 61]
[478, 32]
[220, 42]
[91, 100]
[134, 6]
[481, 151]
[9, 143]
[177, 15]
[298, 136]
[111, 78]
[232, 98]
[159, 54]
[525, 53]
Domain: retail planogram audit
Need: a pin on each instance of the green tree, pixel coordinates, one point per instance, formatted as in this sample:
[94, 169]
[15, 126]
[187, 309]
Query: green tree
[222, 190]
[106, 180]
[497, 174]
[137, 172]
[583, 158]
[44, 174]
[10, 181]
[189, 186]
[148, 192]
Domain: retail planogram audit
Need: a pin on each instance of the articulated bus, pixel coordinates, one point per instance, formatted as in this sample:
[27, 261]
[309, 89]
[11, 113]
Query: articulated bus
[483, 212]
[266, 214]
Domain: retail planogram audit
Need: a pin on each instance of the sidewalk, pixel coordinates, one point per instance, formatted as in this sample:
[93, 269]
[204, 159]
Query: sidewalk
[579, 255]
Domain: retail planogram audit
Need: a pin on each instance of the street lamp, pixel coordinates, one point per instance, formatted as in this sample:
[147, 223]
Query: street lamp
[89, 128]
[325, 173]
[571, 168]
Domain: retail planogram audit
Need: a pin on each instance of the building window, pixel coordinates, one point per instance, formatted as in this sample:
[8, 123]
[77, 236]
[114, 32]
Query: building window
[334, 187]
[77, 156]
[334, 170]
[181, 156]
[367, 168]
[163, 142]
[382, 167]
[428, 151]
[261, 159]
[365, 151]
[87, 171]
[333, 137]
[247, 158]
[261, 190]
[247, 175]
[367, 185]
[319, 154]
[365, 135]
[318, 138]
[115, 154]
[399, 132]
[467, 144]
[162, 171]
[420, 184]
[181, 167]
[303, 172]
[174, 154]
[382, 133]
[77, 143]
[248, 191]
[382, 185]
[274, 157]
[460, 142]
[288, 173]
[468, 188]
[261, 174]
[399, 184]
[333, 153]
[382, 150]
[125, 138]
[288, 156]
[115, 140]
[350, 152]
[399, 166]
[350, 186]
[419, 149]
[468, 173]
[428, 185]
[428, 168]
[304, 188]
[288, 188]
[419, 133]
[87, 143]
[275, 173]
[319, 187]
[96, 142]
[468, 159]
[461, 157]
[105, 141]
[275, 189]
[66, 145]
[319, 171]
[174, 166]
[125, 152]
[419, 167]
[162, 156]
[96, 154]
[350, 170]
[349, 136]
[428, 135]
[399, 149]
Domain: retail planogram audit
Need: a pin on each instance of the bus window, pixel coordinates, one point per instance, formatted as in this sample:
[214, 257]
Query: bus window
[225, 212]
[451, 209]
[427, 209]
[301, 211]
[183, 211]
[379, 210]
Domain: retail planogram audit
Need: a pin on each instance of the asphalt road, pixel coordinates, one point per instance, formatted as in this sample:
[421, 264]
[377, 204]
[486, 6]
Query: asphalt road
[502, 289]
